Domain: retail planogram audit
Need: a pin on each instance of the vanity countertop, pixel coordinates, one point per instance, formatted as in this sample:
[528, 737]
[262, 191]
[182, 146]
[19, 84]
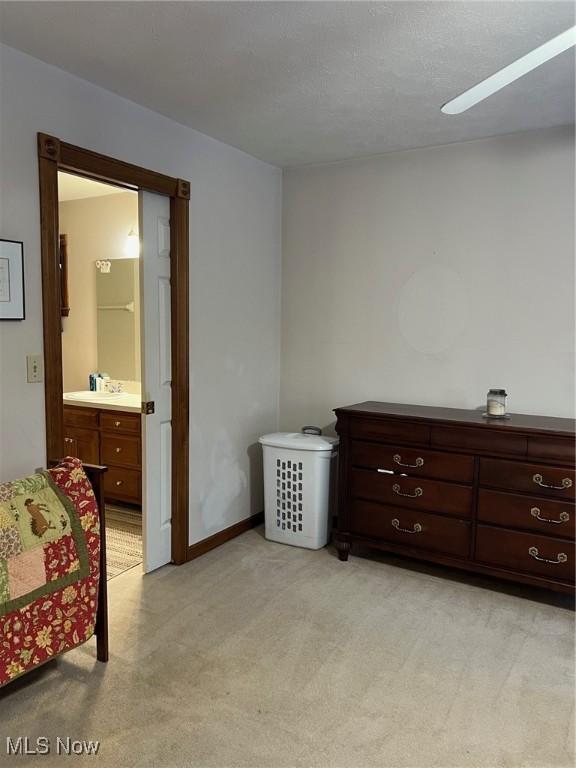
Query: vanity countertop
[110, 401]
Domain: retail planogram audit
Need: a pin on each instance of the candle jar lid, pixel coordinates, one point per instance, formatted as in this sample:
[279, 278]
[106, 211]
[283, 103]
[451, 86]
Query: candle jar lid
[501, 392]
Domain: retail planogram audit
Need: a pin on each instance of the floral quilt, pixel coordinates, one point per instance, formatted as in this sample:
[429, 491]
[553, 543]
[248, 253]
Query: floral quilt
[49, 566]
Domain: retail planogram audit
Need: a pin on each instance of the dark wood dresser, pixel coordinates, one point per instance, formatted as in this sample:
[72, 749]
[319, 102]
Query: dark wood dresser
[452, 487]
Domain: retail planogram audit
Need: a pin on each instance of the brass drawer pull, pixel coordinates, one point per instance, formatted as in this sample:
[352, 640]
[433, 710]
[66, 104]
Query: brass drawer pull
[117, 423]
[119, 482]
[539, 480]
[417, 492]
[118, 450]
[396, 524]
[398, 459]
[560, 557]
[535, 512]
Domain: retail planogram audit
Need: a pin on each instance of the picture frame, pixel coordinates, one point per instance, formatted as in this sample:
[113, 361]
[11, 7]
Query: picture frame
[11, 280]
[63, 255]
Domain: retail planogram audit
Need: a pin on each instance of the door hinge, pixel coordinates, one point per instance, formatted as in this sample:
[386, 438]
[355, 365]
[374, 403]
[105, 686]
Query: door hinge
[148, 407]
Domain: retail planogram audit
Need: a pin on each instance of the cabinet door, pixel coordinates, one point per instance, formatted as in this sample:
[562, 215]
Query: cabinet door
[82, 443]
[70, 445]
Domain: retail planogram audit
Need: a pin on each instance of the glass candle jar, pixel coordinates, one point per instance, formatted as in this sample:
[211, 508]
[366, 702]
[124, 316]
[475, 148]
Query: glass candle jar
[496, 403]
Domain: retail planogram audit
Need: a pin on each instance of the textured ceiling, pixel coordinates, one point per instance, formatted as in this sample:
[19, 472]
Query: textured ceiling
[305, 82]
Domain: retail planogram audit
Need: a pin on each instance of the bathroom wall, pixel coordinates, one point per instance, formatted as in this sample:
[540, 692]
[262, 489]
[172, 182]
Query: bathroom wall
[97, 228]
[429, 276]
[235, 244]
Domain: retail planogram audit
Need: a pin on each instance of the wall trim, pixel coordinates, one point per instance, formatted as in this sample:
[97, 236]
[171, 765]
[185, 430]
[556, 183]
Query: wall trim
[201, 547]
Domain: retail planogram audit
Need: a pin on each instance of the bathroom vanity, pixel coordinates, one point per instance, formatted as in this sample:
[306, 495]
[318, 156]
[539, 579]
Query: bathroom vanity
[100, 428]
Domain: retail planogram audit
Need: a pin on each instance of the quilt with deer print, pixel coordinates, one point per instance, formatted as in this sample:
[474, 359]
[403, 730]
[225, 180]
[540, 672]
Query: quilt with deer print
[49, 566]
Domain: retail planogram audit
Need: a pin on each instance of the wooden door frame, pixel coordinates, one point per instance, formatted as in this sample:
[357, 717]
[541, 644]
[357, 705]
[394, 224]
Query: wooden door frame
[53, 156]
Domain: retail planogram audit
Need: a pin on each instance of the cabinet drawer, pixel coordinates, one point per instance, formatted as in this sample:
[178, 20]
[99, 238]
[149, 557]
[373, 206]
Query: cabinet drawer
[389, 431]
[533, 478]
[415, 462]
[411, 528]
[415, 493]
[481, 440]
[549, 516]
[528, 552]
[555, 448]
[119, 421]
[80, 417]
[124, 484]
[122, 450]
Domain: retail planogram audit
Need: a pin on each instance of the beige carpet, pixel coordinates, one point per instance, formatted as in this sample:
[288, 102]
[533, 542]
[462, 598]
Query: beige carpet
[123, 539]
[258, 654]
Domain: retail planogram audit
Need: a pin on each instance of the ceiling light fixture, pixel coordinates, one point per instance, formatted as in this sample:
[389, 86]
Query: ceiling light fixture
[514, 71]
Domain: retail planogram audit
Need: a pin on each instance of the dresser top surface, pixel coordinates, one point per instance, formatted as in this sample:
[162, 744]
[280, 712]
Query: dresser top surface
[517, 421]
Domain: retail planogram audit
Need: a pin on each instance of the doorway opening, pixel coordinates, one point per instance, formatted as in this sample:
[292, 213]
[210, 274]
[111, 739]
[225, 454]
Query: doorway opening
[101, 350]
[161, 286]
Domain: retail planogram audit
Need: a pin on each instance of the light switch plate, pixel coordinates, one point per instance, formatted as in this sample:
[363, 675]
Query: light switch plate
[34, 369]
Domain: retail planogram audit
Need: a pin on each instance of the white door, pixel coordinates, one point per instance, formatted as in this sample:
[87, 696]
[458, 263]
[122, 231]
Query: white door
[156, 379]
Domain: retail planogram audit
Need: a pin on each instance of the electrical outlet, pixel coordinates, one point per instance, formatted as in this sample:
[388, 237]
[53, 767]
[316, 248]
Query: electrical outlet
[34, 369]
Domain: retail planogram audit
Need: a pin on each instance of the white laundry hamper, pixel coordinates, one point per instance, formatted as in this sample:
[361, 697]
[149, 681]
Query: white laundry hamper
[297, 469]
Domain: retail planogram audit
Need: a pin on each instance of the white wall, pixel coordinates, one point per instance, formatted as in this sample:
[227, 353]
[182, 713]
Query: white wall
[429, 276]
[235, 221]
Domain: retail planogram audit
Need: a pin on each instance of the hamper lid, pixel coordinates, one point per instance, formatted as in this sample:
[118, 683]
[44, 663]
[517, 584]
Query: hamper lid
[299, 441]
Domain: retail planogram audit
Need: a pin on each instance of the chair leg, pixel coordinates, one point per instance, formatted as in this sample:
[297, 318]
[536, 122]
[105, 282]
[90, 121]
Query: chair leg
[96, 476]
[102, 644]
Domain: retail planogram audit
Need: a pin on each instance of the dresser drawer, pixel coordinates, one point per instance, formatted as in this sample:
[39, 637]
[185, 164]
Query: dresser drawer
[123, 484]
[122, 450]
[550, 516]
[528, 552]
[415, 493]
[80, 417]
[389, 431]
[119, 421]
[555, 448]
[532, 478]
[415, 462]
[411, 528]
[478, 440]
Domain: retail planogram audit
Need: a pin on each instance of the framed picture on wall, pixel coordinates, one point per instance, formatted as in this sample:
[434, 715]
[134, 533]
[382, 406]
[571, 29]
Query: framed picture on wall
[11, 280]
